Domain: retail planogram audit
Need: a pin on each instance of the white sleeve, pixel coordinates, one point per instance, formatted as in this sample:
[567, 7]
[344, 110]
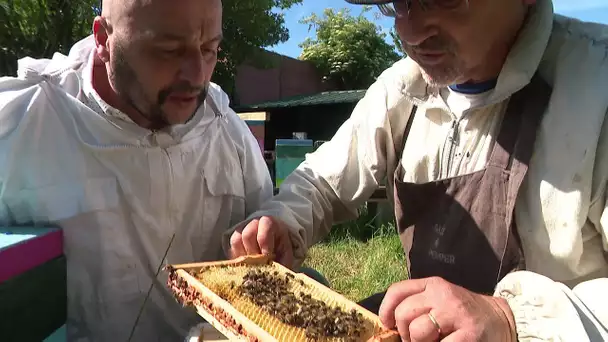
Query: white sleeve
[545, 310]
[17, 98]
[334, 181]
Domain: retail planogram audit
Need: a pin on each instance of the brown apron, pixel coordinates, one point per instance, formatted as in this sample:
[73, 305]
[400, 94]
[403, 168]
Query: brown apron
[463, 227]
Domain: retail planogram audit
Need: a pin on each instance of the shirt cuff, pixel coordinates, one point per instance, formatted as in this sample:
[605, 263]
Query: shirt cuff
[541, 308]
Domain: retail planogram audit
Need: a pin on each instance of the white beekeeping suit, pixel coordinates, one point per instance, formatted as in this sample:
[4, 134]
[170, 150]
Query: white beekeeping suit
[120, 192]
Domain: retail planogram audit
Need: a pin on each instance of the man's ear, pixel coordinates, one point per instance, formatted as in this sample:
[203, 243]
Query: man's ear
[102, 42]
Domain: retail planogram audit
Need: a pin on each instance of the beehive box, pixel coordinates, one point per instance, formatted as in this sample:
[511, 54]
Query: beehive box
[255, 299]
[33, 291]
[290, 153]
[258, 129]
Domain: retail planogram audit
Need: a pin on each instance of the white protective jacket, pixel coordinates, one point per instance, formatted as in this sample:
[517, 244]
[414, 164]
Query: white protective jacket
[120, 192]
[561, 211]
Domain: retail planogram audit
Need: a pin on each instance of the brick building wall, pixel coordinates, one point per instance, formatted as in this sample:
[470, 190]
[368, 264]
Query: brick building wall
[285, 78]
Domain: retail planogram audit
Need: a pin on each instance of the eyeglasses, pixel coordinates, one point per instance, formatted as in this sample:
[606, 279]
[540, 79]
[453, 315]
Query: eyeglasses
[400, 8]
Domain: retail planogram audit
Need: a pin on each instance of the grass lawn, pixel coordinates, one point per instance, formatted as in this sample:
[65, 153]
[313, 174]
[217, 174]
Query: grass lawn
[359, 259]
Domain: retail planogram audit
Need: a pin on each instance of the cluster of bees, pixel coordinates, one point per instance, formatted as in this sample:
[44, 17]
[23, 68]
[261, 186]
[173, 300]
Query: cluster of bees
[271, 292]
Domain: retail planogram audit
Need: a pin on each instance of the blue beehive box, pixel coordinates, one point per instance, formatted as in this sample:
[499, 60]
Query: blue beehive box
[290, 153]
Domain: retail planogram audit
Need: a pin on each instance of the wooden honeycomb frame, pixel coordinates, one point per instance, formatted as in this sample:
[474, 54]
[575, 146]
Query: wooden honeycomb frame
[235, 325]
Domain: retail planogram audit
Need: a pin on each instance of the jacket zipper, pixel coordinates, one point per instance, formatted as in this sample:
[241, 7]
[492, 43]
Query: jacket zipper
[169, 207]
[170, 210]
[452, 139]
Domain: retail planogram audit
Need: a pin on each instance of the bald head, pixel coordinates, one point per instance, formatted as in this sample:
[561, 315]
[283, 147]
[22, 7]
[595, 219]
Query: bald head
[115, 11]
[158, 55]
[108, 6]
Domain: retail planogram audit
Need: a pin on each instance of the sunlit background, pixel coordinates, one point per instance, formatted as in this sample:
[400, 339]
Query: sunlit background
[588, 10]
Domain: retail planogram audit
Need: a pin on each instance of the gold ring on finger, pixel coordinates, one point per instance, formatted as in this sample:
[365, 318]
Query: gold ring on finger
[434, 321]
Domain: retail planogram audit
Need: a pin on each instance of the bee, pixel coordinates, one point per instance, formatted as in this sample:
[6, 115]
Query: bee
[272, 293]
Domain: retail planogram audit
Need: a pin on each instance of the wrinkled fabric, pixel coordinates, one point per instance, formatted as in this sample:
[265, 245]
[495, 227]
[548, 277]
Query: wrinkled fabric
[560, 211]
[121, 192]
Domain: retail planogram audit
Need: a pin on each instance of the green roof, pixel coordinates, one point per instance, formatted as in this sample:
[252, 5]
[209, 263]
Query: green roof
[324, 98]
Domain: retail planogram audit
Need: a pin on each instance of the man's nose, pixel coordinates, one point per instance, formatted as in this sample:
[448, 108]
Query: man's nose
[415, 26]
[193, 68]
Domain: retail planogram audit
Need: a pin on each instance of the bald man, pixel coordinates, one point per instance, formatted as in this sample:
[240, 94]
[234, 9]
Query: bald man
[128, 147]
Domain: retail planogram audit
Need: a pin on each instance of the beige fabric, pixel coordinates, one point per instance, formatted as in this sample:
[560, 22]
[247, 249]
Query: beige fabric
[561, 211]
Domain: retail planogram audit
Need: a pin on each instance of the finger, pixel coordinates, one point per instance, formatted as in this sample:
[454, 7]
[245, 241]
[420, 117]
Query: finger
[284, 248]
[395, 295]
[409, 310]
[422, 329]
[458, 336]
[265, 237]
[236, 245]
[250, 237]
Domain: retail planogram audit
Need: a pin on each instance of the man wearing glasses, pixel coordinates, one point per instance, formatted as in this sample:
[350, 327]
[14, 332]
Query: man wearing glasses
[493, 137]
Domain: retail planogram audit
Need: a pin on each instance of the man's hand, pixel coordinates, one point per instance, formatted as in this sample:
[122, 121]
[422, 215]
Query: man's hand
[456, 314]
[265, 235]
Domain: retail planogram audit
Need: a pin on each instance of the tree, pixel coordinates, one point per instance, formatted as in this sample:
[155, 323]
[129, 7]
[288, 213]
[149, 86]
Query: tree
[38, 28]
[248, 26]
[350, 52]
[397, 42]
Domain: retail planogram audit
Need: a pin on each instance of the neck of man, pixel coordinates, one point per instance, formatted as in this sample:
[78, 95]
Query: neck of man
[102, 86]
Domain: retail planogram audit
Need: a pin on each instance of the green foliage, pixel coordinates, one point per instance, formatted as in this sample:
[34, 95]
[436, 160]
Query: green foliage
[349, 51]
[248, 26]
[360, 257]
[39, 28]
[359, 269]
[363, 228]
[397, 42]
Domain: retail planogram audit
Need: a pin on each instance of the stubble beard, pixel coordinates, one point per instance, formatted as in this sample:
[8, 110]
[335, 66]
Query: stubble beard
[439, 77]
[130, 90]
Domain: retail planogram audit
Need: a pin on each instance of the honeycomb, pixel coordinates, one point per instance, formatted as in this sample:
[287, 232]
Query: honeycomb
[285, 306]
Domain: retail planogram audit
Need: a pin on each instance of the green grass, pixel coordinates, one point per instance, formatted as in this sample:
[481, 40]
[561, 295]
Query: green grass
[359, 259]
[359, 269]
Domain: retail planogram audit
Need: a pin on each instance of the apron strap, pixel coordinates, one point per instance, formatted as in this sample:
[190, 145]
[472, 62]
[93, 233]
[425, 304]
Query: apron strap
[539, 95]
[504, 146]
[408, 128]
[519, 124]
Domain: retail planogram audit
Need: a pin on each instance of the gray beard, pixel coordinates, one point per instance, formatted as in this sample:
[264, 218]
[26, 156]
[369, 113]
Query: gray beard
[441, 77]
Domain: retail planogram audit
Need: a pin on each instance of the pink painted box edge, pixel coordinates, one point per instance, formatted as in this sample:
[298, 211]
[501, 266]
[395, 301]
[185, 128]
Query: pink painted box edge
[24, 256]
